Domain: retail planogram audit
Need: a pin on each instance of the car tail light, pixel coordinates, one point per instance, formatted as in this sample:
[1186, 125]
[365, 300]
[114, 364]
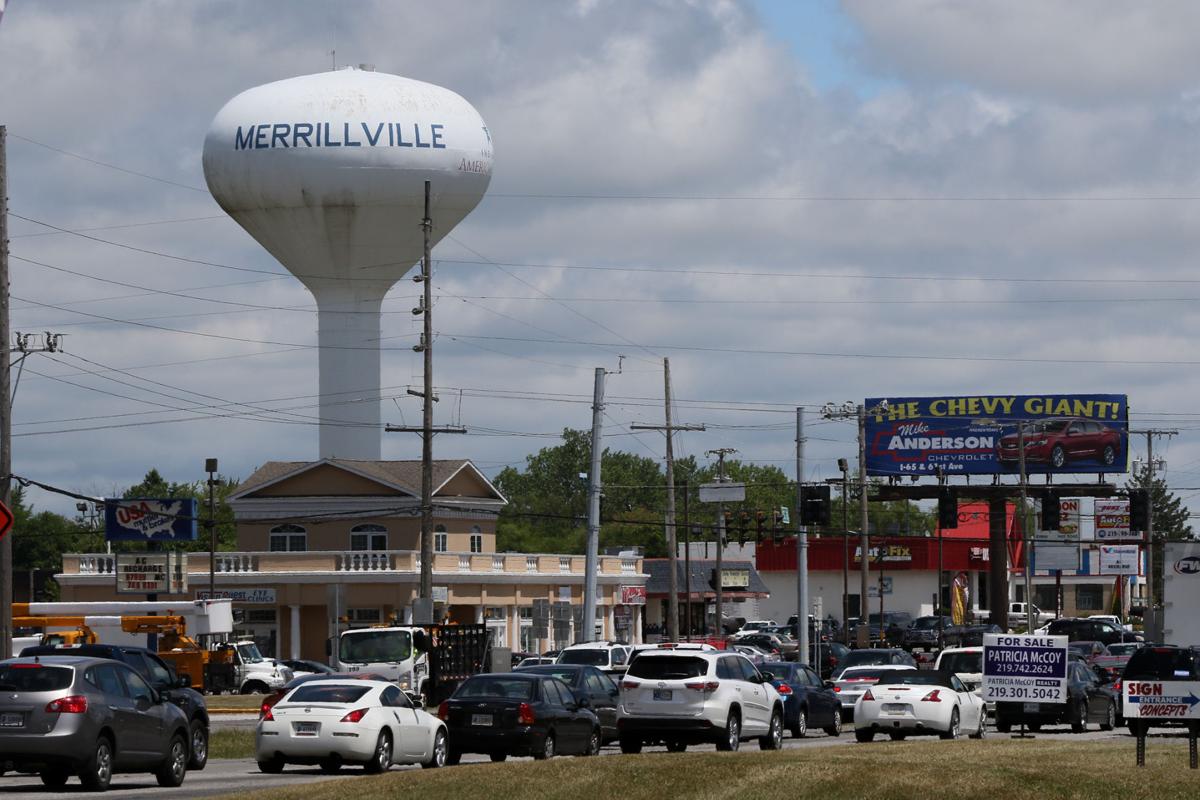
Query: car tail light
[630, 684]
[932, 697]
[444, 710]
[356, 715]
[868, 697]
[75, 704]
[784, 689]
[703, 686]
[837, 688]
[267, 715]
[1117, 685]
[264, 711]
[525, 715]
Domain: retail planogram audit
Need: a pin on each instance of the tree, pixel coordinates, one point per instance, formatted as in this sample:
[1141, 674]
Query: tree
[1170, 521]
[40, 538]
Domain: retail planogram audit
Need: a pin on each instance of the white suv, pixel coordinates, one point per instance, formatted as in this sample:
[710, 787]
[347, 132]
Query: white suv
[681, 697]
[605, 656]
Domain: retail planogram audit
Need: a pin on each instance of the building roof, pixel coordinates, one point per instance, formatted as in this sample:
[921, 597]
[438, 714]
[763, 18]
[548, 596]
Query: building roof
[659, 582]
[404, 476]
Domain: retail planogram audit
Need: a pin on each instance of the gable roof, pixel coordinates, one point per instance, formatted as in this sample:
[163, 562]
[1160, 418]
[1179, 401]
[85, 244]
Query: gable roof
[399, 476]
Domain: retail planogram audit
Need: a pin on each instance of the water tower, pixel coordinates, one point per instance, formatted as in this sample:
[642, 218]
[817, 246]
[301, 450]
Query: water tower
[328, 173]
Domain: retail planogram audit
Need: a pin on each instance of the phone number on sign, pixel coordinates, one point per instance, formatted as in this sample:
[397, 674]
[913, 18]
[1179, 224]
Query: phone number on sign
[1049, 693]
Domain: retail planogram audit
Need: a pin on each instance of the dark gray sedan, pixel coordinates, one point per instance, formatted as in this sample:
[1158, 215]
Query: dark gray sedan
[90, 717]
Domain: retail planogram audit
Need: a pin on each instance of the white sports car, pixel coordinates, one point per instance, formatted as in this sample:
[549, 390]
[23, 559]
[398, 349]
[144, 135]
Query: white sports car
[331, 722]
[918, 702]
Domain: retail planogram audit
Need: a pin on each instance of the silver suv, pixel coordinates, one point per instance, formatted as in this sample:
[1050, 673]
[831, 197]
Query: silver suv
[90, 717]
[681, 697]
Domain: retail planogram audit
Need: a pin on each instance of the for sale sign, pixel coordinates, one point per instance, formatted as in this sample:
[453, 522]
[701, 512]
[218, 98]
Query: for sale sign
[1162, 699]
[1024, 668]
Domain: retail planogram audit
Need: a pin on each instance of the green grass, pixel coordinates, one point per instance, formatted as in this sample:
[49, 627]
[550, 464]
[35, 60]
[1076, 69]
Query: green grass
[231, 744]
[996, 768]
[242, 702]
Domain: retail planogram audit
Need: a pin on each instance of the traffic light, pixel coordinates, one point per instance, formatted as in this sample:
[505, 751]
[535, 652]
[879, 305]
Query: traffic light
[743, 524]
[760, 519]
[1051, 511]
[777, 526]
[814, 505]
[947, 508]
[1139, 509]
[728, 529]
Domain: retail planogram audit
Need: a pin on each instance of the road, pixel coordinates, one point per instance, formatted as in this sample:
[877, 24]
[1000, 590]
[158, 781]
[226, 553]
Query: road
[227, 776]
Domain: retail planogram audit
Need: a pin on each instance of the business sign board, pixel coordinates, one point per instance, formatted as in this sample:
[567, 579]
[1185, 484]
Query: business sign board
[1024, 668]
[735, 578]
[143, 519]
[873, 587]
[1051, 556]
[151, 573]
[1161, 699]
[258, 596]
[978, 435]
[728, 492]
[633, 595]
[1111, 520]
[1119, 559]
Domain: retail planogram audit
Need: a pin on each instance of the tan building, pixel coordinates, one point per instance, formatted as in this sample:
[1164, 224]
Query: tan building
[328, 544]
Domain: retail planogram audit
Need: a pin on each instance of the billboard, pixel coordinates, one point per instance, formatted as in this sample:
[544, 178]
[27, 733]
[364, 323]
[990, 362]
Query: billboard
[1112, 520]
[978, 435]
[1070, 515]
[142, 519]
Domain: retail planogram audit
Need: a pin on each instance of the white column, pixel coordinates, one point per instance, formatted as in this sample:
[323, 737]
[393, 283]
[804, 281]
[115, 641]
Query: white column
[514, 628]
[295, 636]
[636, 634]
[610, 622]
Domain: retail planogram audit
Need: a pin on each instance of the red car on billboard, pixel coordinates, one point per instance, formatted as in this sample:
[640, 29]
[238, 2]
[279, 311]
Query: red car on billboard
[1058, 440]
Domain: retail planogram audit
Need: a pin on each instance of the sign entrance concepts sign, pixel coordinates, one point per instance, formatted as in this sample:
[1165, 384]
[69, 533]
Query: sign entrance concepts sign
[1024, 668]
[1162, 699]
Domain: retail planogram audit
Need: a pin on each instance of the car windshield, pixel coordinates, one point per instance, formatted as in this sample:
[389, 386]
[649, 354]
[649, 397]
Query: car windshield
[375, 646]
[1161, 663]
[869, 674]
[861, 658]
[1051, 425]
[668, 667]
[510, 688]
[34, 678]
[249, 653]
[962, 662]
[926, 623]
[1127, 649]
[588, 656]
[320, 692]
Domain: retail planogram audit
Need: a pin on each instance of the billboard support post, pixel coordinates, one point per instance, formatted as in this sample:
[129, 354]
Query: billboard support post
[1027, 542]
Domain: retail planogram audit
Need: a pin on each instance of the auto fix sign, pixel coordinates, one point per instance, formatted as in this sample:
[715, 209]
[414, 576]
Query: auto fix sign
[1162, 699]
[1111, 519]
[981, 434]
[1024, 668]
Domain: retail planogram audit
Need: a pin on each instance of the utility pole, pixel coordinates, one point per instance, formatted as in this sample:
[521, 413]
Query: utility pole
[1028, 540]
[672, 550]
[427, 429]
[593, 528]
[687, 562]
[720, 453]
[844, 466]
[1151, 581]
[6, 562]
[210, 466]
[801, 547]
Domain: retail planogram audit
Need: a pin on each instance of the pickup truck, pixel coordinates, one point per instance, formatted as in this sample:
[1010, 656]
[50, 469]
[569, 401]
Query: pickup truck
[1017, 616]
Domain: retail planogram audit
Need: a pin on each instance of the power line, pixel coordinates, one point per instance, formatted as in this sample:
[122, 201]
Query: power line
[108, 165]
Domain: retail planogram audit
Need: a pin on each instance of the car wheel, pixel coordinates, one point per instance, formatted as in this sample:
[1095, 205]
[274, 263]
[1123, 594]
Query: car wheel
[498, 757]
[1058, 456]
[381, 759]
[547, 750]
[774, 738]
[952, 732]
[864, 735]
[836, 728]
[55, 779]
[330, 766]
[1079, 720]
[174, 767]
[898, 736]
[1110, 719]
[732, 737]
[593, 745]
[1109, 455]
[800, 729]
[97, 770]
[254, 687]
[630, 745]
[676, 747]
[982, 730]
[199, 735]
[272, 766]
[438, 757]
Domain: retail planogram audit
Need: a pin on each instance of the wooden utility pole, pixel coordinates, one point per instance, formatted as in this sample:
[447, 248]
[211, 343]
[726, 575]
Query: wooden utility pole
[6, 563]
[669, 525]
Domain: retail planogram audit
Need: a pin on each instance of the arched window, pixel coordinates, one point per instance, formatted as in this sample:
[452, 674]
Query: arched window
[476, 539]
[368, 537]
[288, 539]
[441, 543]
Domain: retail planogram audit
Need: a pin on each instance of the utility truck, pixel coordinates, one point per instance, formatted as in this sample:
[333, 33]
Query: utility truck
[424, 661]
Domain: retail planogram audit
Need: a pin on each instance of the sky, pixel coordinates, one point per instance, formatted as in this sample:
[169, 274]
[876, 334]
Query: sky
[794, 202]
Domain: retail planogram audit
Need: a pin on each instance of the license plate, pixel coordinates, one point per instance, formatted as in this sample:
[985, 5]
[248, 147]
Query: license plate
[1030, 708]
[307, 728]
[894, 708]
[481, 719]
[662, 694]
[12, 720]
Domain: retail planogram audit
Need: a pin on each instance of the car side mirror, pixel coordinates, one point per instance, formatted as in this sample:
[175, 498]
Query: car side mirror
[142, 702]
[184, 681]
[828, 684]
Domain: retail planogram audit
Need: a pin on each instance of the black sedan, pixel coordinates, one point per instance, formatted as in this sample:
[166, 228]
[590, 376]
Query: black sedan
[806, 699]
[586, 682]
[1090, 698]
[519, 714]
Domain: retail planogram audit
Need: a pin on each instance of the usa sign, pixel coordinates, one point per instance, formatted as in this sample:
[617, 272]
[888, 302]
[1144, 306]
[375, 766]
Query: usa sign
[143, 519]
[980, 434]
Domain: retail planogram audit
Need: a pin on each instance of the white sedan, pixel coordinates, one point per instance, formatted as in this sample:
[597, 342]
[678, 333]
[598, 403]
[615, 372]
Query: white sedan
[331, 722]
[917, 702]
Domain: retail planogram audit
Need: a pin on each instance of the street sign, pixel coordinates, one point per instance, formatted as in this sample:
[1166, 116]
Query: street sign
[1024, 668]
[1052, 556]
[1162, 699]
[722, 492]
[6, 520]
